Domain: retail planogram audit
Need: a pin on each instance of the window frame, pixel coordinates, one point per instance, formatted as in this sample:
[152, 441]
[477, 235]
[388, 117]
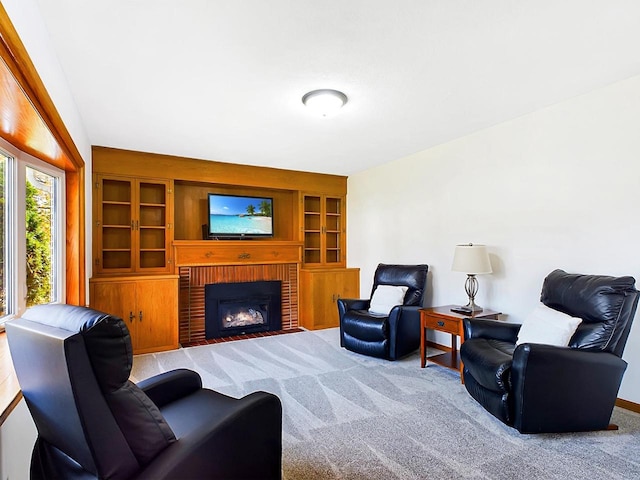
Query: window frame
[15, 191]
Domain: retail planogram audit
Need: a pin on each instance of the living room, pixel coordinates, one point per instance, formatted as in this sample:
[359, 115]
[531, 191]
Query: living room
[553, 185]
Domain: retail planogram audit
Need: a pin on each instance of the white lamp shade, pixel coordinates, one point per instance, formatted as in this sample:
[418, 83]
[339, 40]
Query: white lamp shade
[471, 259]
[325, 102]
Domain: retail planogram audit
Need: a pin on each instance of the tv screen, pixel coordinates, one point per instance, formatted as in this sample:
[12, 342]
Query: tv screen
[240, 216]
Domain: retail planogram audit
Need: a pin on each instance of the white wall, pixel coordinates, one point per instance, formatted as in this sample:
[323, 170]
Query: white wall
[558, 188]
[17, 437]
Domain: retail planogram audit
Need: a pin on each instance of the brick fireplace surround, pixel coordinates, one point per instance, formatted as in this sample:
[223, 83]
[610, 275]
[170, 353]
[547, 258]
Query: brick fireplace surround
[191, 298]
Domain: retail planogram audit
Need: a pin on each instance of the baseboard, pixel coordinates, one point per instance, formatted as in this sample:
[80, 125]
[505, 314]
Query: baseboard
[626, 404]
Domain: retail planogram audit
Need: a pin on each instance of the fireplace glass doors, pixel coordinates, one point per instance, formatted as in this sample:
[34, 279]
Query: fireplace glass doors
[242, 308]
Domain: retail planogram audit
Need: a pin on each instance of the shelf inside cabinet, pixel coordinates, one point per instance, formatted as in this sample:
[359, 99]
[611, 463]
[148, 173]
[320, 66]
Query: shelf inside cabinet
[116, 191]
[117, 259]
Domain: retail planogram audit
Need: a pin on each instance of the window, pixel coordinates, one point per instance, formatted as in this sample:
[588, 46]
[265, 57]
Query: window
[3, 238]
[31, 232]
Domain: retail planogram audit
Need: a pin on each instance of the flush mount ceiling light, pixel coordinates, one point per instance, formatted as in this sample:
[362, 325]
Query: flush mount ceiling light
[324, 102]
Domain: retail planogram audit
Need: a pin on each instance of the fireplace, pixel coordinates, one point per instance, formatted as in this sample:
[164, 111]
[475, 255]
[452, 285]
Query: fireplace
[242, 308]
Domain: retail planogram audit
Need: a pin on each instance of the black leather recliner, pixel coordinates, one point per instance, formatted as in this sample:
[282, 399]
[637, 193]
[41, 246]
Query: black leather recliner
[393, 336]
[542, 388]
[73, 365]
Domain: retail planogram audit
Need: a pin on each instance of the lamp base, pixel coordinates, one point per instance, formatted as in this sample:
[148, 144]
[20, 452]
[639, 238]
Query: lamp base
[471, 288]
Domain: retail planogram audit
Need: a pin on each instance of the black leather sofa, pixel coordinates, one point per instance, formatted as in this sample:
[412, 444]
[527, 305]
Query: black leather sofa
[73, 365]
[543, 388]
[389, 336]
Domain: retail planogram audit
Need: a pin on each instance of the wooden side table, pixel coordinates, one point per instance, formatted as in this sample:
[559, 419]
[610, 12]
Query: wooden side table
[442, 319]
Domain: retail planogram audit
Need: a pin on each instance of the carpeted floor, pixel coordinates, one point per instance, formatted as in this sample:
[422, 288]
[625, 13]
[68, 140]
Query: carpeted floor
[348, 416]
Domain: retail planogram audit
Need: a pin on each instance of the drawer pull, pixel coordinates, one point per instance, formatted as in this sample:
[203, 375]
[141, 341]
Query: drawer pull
[244, 256]
[440, 324]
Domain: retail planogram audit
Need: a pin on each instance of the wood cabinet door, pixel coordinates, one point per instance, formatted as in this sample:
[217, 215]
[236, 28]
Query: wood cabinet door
[116, 298]
[114, 223]
[343, 283]
[156, 315]
[153, 224]
[133, 225]
[149, 308]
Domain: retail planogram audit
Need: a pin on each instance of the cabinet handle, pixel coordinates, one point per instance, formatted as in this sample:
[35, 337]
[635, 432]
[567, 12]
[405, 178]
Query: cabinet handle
[441, 324]
[137, 224]
[131, 316]
[133, 225]
[140, 315]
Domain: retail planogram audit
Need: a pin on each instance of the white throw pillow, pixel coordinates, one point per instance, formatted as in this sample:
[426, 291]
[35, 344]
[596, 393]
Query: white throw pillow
[385, 297]
[548, 326]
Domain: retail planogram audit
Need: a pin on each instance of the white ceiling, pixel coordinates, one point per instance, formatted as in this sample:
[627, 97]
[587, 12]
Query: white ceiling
[223, 79]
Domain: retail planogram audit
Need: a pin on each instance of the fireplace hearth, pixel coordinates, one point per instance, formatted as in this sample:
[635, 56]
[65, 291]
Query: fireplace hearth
[241, 308]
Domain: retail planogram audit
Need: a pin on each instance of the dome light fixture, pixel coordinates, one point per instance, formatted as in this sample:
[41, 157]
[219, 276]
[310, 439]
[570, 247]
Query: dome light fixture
[325, 102]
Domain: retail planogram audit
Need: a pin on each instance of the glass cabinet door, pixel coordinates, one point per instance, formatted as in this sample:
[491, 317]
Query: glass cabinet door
[115, 225]
[323, 227]
[132, 225]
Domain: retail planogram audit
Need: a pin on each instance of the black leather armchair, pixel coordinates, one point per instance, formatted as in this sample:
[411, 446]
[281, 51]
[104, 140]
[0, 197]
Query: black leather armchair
[73, 365]
[542, 388]
[385, 336]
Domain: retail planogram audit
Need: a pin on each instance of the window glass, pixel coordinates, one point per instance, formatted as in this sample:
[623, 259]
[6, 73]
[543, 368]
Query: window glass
[3, 237]
[31, 232]
[40, 234]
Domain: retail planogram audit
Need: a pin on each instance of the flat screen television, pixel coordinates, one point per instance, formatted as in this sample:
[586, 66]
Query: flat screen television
[231, 216]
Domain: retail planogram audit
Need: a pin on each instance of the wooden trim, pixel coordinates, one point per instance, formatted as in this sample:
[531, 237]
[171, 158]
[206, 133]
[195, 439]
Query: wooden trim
[75, 237]
[627, 405]
[16, 57]
[136, 164]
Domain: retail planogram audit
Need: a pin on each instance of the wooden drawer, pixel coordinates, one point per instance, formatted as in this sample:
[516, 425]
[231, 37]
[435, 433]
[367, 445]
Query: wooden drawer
[442, 324]
[208, 253]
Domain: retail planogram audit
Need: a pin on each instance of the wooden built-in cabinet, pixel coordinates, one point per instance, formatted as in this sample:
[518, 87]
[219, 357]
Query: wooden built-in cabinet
[319, 291]
[135, 237]
[148, 305]
[323, 226]
[132, 223]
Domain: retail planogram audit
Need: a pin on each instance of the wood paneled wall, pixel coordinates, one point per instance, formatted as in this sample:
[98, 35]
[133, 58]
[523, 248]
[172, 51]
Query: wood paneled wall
[191, 208]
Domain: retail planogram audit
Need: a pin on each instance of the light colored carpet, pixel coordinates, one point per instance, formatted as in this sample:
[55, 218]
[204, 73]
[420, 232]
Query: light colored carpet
[348, 416]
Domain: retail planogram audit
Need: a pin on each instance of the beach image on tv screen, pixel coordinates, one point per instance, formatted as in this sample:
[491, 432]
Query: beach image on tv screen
[231, 215]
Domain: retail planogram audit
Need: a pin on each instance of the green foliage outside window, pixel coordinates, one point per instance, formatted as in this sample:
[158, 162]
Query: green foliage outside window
[38, 217]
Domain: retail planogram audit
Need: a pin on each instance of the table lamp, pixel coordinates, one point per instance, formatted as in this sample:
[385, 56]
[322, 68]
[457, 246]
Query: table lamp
[472, 260]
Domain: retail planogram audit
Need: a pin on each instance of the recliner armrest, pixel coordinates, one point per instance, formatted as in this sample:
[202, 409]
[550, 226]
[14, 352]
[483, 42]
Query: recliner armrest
[172, 385]
[400, 310]
[211, 450]
[553, 394]
[346, 304]
[496, 329]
